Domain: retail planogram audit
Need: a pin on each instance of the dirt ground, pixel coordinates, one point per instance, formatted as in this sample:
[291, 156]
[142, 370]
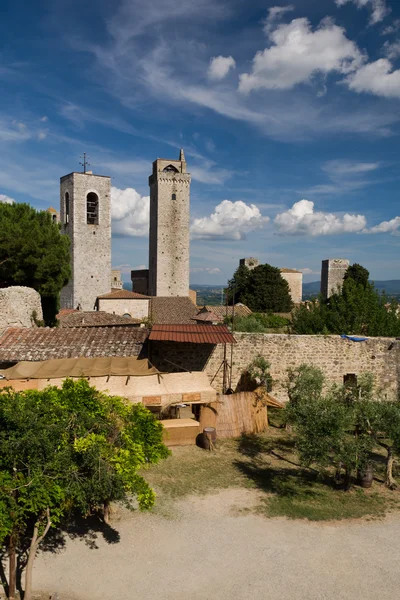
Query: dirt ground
[213, 547]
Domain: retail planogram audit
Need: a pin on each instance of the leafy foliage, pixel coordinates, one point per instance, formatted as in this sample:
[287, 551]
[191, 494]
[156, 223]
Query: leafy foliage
[33, 253]
[258, 371]
[258, 323]
[357, 309]
[262, 289]
[71, 450]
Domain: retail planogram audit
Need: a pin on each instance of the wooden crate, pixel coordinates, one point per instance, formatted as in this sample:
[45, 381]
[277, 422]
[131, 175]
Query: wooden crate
[180, 432]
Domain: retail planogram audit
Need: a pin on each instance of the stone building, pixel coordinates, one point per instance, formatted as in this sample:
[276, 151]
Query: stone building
[250, 263]
[333, 271]
[85, 215]
[55, 215]
[116, 281]
[295, 282]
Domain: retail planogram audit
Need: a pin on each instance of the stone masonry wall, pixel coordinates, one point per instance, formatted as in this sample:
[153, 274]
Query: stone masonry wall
[17, 305]
[333, 271]
[136, 308]
[334, 355]
[295, 282]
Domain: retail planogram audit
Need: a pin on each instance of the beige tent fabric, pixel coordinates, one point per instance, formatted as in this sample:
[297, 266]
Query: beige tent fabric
[80, 367]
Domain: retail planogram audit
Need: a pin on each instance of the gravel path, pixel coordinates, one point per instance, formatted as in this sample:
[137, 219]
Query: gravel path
[211, 550]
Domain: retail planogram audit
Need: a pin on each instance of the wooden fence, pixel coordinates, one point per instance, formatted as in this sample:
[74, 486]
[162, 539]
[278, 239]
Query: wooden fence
[235, 414]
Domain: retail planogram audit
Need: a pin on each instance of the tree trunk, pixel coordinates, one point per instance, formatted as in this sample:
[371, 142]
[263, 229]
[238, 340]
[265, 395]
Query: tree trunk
[390, 482]
[347, 479]
[12, 563]
[35, 541]
[106, 512]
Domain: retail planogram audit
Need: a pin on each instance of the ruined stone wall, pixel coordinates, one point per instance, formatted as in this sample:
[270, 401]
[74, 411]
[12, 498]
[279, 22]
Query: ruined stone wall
[18, 305]
[295, 282]
[334, 355]
[90, 244]
[333, 271]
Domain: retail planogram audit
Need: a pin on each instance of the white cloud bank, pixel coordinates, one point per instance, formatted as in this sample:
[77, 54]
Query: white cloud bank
[129, 212]
[220, 66]
[298, 53]
[230, 220]
[302, 219]
[376, 78]
[379, 9]
[6, 199]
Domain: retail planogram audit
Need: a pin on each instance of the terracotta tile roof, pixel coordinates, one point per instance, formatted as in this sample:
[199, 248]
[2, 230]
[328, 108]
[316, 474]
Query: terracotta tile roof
[122, 295]
[195, 334]
[43, 343]
[94, 318]
[206, 316]
[241, 310]
[175, 310]
[289, 271]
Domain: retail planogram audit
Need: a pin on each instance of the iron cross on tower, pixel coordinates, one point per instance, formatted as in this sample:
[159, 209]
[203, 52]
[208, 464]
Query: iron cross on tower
[84, 162]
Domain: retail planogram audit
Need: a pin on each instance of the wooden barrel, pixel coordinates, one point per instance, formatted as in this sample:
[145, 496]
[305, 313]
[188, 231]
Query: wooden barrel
[207, 439]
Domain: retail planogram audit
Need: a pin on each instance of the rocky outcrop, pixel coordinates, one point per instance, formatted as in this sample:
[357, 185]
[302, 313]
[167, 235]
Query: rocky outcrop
[20, 307]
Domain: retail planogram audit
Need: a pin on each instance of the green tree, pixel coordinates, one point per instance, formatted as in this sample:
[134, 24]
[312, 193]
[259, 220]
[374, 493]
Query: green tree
[33, 253]
[67, 452]
[385, 427]
[358, 309]
[262, 289]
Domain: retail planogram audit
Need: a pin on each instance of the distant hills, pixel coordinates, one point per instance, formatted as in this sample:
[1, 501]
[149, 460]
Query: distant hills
[391, 287]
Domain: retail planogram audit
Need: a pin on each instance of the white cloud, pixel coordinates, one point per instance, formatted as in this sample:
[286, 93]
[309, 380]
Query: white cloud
[301, 219]
[392, 226]
[345, 167]
[393, 28]
[209, 270]
[220, 66]
[44, 119]
[376, 78]
[210, 176]
[6, 199]
[298, 53]
[379, 9]
[129, 212]
[307, 271]
[230, 220]
[392, 51]
[274, 14]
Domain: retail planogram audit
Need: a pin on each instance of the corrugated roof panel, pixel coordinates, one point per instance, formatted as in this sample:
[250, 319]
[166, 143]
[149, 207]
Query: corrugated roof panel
[197, 334]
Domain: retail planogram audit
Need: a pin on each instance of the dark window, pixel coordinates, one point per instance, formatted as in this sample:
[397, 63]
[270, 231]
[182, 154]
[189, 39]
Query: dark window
[54, 217]
[66, 208]
[92, 209]
[350, 380]
[173, 196]
[126, 315]
[170, 169]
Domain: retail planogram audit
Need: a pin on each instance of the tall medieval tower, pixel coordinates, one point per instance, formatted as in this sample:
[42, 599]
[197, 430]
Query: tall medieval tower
[169, 228]
[85, 215]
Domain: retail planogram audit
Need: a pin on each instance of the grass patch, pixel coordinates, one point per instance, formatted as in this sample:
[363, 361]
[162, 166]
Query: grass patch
[267, 463]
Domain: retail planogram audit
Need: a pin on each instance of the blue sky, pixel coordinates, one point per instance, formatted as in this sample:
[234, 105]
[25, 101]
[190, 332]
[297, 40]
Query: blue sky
[289, 116]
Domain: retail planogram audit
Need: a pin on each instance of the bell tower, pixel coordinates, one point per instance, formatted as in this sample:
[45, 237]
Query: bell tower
[85, 216]
[169, 228]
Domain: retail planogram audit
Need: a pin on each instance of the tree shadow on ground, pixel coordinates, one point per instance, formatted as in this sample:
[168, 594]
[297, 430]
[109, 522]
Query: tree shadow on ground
[253, 446]
[88, 530]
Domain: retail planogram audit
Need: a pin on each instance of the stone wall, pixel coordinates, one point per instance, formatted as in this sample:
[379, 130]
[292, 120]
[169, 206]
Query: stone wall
[17, 305]
[334, 355]
[295, 282]
[135, 307]
[333, 271]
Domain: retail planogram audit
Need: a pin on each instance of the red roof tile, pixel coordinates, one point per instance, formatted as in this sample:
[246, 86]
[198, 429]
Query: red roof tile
[195, 334]
[43, 343]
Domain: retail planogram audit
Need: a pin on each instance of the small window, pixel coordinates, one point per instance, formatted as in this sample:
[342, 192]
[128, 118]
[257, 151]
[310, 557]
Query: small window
[92, 209]
[66, 208]
[54, 217]
[173, 196]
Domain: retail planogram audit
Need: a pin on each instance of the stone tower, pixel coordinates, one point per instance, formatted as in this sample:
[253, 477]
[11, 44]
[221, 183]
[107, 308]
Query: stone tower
[251, 263]
[169, 228]
[332, 274]
[85, 215]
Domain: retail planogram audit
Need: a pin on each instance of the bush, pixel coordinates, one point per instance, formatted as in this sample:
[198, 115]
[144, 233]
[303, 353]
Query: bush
[257, 323]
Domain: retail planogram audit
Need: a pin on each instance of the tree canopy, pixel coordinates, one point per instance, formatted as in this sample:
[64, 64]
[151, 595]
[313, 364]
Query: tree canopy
[357, 309]
[33, 253]
[69, 451]
[262, 289]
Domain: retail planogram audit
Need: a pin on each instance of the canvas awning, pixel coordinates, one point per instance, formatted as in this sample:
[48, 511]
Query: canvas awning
[81, 367]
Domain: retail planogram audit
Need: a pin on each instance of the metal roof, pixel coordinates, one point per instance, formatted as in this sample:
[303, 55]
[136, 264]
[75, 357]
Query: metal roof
[195, 334]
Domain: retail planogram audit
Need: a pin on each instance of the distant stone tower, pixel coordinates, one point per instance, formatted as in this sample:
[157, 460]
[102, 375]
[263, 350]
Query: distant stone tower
[250, 263]
[85, 215]
[169, 228]
[333, 271]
